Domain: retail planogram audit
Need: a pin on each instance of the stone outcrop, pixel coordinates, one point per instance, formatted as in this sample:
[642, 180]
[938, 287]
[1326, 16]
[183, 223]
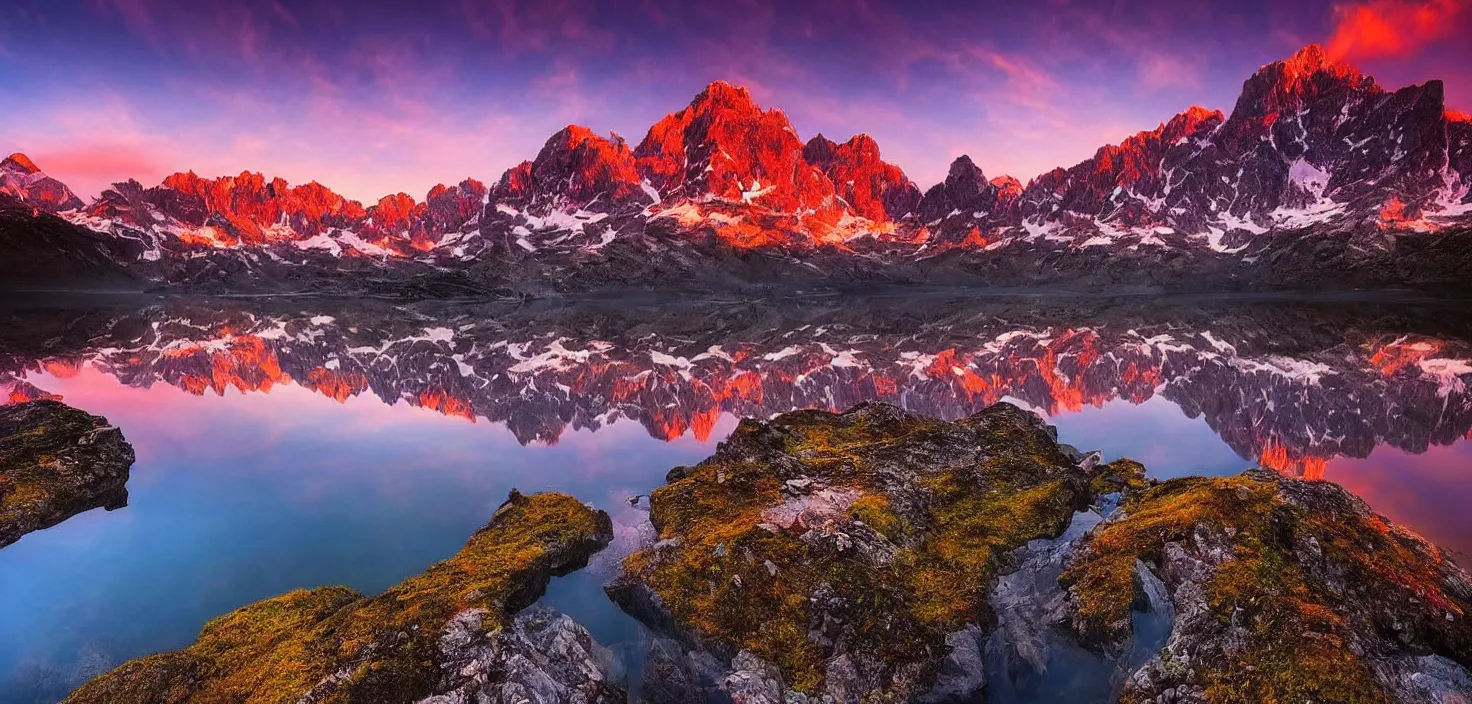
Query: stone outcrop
[448, 635]
[835, 555]
[877, 555]
[540, 656]
[56, 462]
[1283, 590]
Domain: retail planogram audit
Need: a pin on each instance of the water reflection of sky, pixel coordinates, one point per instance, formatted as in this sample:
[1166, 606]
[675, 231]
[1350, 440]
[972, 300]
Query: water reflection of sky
[244, 496]
[241, 497]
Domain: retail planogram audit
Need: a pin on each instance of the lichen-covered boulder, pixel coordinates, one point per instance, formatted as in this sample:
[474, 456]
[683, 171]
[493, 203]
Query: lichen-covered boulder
[840, 555]
[57, 462]
[1283, 591]
[446, 635]
[541, 657]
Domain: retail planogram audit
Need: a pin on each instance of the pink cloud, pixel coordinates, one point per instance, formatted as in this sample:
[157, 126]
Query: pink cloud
[1392, 28]
[91, 163]
[1158, 71]
[369, 112]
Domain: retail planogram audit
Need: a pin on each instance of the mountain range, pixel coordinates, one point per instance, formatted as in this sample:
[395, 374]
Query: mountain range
[1319, 178]
[1279, 392]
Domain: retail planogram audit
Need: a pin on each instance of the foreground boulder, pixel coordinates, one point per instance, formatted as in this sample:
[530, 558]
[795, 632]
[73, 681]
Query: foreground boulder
[57, 462]
[1284, 591]
[844, 556]
[447, 636]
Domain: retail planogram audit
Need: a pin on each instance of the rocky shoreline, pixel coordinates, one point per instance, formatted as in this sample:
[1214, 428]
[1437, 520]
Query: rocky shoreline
[57, 462]
[447, 635]
[849, 551]
[1283, 590]
[883, 556]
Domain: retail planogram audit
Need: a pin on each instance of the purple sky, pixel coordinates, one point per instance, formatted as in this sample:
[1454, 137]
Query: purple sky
[372, 98]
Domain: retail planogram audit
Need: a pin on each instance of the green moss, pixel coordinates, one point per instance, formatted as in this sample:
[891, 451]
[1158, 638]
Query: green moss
[983, 487]
[1297, 649]
[278, 649]
[41, 451]
[1103, 585]
[1123, 476]
[874, 511]
[973, 533]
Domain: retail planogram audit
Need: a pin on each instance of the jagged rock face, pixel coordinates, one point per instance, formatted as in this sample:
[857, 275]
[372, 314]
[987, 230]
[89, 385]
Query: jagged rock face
[572, 199]
[22, 180]
[579, 169]
[828, 556]
[392, 218]
[515, 184]
[449, 209]
[425, 639]
[187, 210]
[1106, 186]
[130, 202]
[1459, 149]
[1310, 141]
[540, 656]
[1318, 179]
[675, 675]
[966, 189]
[726, 147]
[965, 210]
[872, 188]
[188, 214]
[1309, 128]
[1283, 590]
[251, 209]
[56, 462]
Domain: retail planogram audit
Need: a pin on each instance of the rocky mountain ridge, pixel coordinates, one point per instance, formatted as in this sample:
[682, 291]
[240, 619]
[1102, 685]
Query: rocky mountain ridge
[1317, 167]
[22, 180]
[1288, 402]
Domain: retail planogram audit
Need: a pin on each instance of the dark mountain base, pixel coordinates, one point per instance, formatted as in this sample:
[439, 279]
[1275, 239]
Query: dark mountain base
[39, 251]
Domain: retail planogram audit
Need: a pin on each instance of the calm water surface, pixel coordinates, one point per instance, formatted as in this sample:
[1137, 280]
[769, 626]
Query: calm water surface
[294, 445]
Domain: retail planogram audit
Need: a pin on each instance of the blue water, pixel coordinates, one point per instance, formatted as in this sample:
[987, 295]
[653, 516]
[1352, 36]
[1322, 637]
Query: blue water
[242, 496]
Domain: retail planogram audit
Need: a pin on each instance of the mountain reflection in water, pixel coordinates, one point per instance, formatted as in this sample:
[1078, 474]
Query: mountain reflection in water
[1369, 393]
[1289, 387]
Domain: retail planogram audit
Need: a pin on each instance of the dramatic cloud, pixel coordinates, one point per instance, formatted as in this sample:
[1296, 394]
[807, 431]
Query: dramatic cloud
[1392, 28]
[375, 97]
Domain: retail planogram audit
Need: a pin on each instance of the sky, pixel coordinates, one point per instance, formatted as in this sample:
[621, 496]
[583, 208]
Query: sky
[372, 98]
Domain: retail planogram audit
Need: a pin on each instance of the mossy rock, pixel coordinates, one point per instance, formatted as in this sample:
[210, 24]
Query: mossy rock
[1124, 477]
[332, 644]
[849, 543]
[57, 462]
[1285, 591]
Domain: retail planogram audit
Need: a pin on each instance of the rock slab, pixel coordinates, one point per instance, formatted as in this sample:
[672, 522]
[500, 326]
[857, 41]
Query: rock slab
[57, 462]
